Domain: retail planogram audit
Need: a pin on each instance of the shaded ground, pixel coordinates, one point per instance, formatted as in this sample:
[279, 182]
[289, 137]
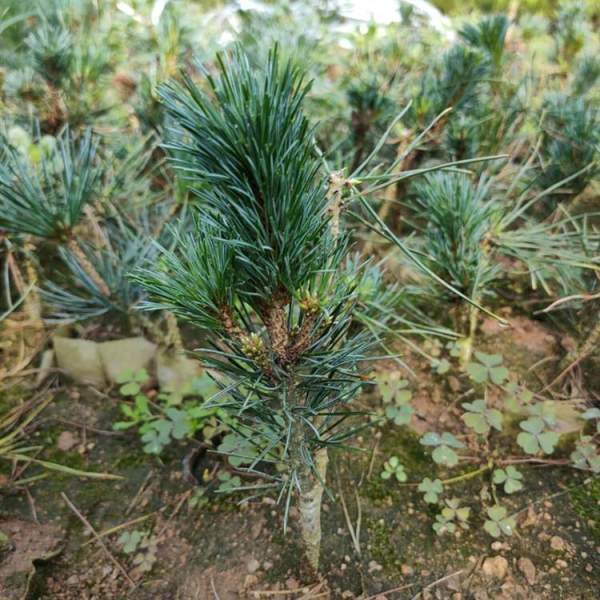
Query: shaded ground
[218, 549]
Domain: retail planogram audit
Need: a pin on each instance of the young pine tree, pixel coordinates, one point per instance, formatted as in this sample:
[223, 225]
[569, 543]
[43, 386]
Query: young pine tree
[264, 271]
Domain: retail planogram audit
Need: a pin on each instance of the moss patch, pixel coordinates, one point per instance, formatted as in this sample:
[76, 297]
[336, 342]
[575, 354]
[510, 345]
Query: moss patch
[586, 502]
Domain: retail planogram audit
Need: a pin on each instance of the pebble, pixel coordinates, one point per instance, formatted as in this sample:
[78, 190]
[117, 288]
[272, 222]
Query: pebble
[407, 570]
[252, 565]
[528, 569]
[557, 543]
[374, 566]
[497, 546]
[561, 564]
[496, 566]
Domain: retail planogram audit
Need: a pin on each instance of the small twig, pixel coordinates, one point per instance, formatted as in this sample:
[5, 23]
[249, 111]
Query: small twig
[119, 527]
[354, 531]
[32, 505]
[214, 589]
[98, 539]
[373, 455]
[272, 593]
[436, 582]
[176, 510]
[561, 301]
[92, 429]
[396, 589]
[139, 493]
[310, 595]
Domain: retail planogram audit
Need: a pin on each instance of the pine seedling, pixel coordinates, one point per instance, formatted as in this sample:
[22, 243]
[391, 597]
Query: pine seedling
[571, 29]
[44, 189]
[570, 141]
[51, 48]
[455, 81]
[469, 229]
[263, 271]
[488, 35]
[44, 194]
[459, 217]
[77, 295]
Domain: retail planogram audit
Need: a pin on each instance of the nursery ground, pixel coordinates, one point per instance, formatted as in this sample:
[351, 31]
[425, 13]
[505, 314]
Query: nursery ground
[221, 549]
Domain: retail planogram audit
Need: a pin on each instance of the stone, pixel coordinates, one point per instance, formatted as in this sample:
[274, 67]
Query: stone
[495, 566]
[374, 566]
[407, 570]
[557, 543]
[175, 372]
[527, 568]
[80, 360]
[132, 354]
[252, 566]
[66, 441]
[561, 564]
[46, 364]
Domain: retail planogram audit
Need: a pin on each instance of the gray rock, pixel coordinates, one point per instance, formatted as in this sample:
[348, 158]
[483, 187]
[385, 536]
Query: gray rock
[80, 360]
[133, 354]
[175, 371]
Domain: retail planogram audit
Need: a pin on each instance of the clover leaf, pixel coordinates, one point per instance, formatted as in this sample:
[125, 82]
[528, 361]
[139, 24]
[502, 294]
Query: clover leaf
[591, 413]
[431, 489]
[510, 477]
[533, 438]
[585, 456]
[443, 525]
[228, 482]
[545, 411]
[180, 424]
[489, 368]
[443, 453]
[480, 418]
[393, 467]
[130, 389]
[129, 541]
[498, 523]
[393, 389]
[440, 365]
[400, 415]
[156, 435]
[451, 515]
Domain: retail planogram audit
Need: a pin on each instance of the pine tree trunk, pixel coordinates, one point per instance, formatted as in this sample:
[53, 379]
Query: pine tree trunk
[88, 267]
[309, 500]
[310, 481]
[33, 302]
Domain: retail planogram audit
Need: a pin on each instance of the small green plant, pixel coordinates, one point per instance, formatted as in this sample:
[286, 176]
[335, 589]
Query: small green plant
[227, 482]
[498, 523]
[510, 478]
[167, 418]
[488, 35]
[452, 515]
[534, 437]
[586, 455]
[487, 368]
[480, 418]
[444, 444]
[431, 490]
[393, 468]
[142, 546]
[396, 397]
